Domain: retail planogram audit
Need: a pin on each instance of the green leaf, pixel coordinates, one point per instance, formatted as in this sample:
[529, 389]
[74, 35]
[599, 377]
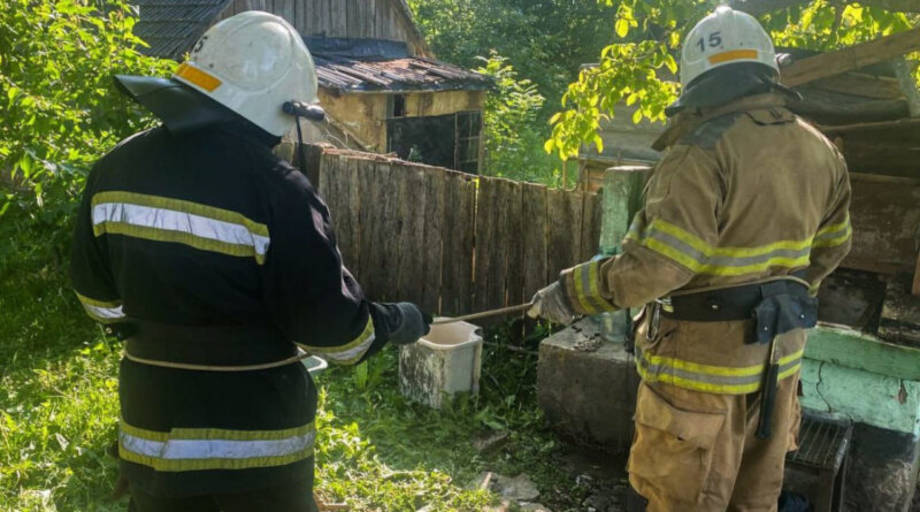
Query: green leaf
[622, 27]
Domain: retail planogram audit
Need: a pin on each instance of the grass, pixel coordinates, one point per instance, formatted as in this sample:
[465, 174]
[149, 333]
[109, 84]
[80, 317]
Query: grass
[376, 451]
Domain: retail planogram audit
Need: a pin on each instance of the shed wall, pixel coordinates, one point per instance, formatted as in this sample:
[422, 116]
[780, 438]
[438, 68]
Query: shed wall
[373, 19]
[364, 115]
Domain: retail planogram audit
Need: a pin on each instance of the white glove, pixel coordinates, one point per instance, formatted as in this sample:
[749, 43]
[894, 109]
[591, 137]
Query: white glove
[550, 303]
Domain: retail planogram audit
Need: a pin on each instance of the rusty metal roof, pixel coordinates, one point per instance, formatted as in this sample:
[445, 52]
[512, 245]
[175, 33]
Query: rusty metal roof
[404, 74]
[171, 28]
[368, 65]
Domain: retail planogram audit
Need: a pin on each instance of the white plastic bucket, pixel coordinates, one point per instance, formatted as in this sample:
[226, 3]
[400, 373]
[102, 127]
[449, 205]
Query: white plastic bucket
[445, 362]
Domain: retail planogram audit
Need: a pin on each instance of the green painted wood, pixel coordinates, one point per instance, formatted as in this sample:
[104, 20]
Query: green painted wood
[622, 197]
[865, 397]
[853, 349]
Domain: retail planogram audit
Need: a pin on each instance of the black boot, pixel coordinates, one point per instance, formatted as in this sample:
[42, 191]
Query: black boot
[634, 501]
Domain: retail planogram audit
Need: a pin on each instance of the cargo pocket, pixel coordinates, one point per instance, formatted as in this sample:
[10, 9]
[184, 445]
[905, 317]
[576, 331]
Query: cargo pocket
[672, 450]
[793, 443]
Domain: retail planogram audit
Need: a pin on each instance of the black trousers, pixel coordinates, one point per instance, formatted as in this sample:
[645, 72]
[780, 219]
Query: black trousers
[296, 497]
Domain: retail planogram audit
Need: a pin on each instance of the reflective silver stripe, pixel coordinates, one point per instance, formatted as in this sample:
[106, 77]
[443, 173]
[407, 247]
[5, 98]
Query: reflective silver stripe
[168, 220]
[709, 378]
[104, 314]
[352, 355]
[350, 352]
[726, 261]
[834, 235]
[101, 310]
[587, 293]
[181, 449]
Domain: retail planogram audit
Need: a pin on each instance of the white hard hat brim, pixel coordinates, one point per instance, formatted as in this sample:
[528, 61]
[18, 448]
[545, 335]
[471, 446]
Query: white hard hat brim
[180, 107]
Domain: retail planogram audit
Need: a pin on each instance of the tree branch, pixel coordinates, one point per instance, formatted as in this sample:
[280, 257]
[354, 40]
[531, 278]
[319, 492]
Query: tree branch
[758, 7]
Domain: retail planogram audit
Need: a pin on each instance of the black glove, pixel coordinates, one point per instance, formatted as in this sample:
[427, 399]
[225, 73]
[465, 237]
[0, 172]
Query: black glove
[412, 323]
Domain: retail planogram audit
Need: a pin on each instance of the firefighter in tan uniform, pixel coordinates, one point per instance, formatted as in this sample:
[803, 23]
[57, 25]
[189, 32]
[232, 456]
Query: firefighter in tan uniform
[743, 218]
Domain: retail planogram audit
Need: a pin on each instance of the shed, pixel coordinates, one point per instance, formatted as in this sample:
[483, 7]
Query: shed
[381, 87]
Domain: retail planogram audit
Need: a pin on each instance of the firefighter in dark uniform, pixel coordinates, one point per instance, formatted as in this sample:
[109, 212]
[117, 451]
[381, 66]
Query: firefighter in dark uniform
[211, 257]
[743, 218]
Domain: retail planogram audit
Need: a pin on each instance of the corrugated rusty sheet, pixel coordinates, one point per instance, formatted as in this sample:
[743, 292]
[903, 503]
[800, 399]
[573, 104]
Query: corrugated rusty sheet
[405, 74]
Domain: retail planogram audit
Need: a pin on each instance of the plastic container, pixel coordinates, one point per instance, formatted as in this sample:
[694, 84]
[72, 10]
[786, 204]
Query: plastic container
[444, 363]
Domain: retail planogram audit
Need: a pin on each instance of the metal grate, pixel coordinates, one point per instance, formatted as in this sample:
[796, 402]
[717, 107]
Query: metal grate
[823, 443]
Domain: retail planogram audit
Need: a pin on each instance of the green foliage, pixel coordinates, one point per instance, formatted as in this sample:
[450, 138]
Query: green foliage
[511, 130]
[57, 59]
[544, 41]
[641, 68]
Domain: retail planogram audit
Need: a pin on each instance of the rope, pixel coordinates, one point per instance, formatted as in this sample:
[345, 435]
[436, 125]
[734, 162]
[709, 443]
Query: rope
[301, 355]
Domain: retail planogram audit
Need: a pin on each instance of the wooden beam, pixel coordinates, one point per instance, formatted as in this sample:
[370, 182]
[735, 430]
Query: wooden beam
[758, 7]
[908, 84]
[862, 84]
[855, 57]
[915, 289]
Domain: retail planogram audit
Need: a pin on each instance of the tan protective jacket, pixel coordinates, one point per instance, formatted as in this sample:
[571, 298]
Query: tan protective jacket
[752, 193]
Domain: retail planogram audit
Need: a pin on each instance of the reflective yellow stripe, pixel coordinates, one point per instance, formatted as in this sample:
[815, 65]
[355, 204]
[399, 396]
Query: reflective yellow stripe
[834, 235]
[834, 227]
[710, 378]
[216, 433]
[579, 276]
[594, 279]
[159, 235]
[732, 56]
[730, 371]
[198, 77]
[833, 242]
[694, 253]
[181, 205]
[98, 303]
[164, 219]
[349, 353]
[190, 449]
[735, 252]
[102, 311]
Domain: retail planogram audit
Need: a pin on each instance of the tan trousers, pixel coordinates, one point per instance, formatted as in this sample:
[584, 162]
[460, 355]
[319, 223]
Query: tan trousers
[696, 451]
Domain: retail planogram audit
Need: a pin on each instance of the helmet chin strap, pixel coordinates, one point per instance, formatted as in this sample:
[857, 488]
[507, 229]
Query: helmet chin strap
[299, 109]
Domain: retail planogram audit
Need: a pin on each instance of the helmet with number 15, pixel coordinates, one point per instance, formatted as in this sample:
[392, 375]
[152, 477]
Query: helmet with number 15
[723, 38]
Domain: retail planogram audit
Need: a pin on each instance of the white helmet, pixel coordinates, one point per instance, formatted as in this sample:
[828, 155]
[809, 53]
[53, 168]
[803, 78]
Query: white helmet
[725, 37]
[253, 63]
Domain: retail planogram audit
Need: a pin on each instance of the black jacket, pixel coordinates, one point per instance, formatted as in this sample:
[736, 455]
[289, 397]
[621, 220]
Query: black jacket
[207, 248]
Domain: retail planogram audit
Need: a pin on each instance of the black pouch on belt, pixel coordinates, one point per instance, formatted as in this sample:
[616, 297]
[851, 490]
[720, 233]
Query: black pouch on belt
[785, 306]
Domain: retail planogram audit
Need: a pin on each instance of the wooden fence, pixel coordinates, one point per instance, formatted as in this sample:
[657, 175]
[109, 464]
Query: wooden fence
[452, 242]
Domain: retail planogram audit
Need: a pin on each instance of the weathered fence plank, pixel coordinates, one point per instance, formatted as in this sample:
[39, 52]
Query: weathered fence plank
[533, 238]
[412, 218]
[451, 242]
[431, 251]
[497, 256]
[513, 243]
[459, 222]
[564, 211]
[484, 292]
[390, 233]
[590, 226]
